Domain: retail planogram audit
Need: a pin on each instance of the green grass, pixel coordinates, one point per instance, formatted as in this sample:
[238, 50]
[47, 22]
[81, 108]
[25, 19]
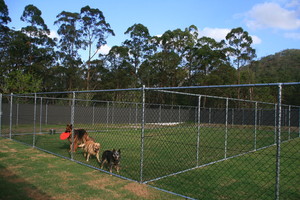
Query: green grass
[250, 176]
[172, 149]
[27, 173]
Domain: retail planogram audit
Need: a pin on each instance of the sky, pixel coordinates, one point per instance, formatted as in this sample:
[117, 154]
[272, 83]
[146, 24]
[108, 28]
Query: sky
[273, 24]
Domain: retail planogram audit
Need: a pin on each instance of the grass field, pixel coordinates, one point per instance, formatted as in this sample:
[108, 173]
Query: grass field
[27, 173]
[171, 149]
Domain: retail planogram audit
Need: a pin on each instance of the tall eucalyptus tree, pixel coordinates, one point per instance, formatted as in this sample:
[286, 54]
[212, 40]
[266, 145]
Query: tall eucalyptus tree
[70, 42]
[95, 30]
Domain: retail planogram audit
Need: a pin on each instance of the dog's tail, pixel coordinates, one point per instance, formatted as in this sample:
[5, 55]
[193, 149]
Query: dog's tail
[81, 145]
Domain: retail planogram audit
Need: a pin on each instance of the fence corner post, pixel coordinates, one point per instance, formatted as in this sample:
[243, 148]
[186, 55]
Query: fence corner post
[278, 142]
[142, 134]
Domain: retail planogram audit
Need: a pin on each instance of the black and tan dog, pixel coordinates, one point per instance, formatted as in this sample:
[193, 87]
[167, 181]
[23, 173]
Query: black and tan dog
[80, 136]
[113, 159]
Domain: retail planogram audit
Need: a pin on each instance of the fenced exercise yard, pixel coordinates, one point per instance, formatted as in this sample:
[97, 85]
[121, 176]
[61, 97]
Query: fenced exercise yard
[187, 143]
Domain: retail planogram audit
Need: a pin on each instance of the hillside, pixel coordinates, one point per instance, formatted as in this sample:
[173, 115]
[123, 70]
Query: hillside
[283, 66]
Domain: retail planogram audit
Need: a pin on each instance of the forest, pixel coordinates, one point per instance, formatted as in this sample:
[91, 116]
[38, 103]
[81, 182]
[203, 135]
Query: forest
[32, 61]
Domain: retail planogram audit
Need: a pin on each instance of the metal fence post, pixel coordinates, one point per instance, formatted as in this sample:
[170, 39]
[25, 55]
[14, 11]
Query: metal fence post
[159, 118]
[34, 121]
[113, 112]
[275, 122]
[93, 113]
[0, 114]
[289, 122]
[255, 125]
[209, 115]
[232, 116]
[179, 117]
[278, 141]
[198, 129]
[41, 114]
[17, 114]
[10, 115]
[72, 122]
[46, 113]
[299, 122]
[142, 134]
[136, 115]
[226, 128]
[107, 115]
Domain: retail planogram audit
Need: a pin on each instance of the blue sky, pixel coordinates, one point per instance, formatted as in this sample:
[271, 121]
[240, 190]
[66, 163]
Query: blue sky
[273, 24]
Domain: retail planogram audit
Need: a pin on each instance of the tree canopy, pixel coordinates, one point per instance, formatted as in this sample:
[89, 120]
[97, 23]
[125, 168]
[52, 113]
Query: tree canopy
[37, 62]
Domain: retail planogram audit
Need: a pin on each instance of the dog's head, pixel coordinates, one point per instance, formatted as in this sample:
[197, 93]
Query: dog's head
[96, 147]
[69, 128]
[116, 155]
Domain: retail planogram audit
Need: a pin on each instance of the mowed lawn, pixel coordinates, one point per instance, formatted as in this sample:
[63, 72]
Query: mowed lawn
[250, 176]
[167, 150]
[27, 173]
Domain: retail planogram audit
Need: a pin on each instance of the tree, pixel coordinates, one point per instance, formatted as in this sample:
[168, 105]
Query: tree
[121, 72]
[70, 42]
[179, 42]
[138, 45]
[240, 50]
[94, 28]
[4, 20]
[4, 17]
[207, 56]
[18, 82]
[32, 15]
[164, 70]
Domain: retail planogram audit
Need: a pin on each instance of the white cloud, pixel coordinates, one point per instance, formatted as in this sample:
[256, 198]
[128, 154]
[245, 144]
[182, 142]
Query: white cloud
[216, 33]
[104, 49]
[220, 34]
[255, 39]
[53, 34]
[272, 15]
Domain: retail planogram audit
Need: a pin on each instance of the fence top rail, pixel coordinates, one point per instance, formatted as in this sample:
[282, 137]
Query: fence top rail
[225, 86]
[164, 88]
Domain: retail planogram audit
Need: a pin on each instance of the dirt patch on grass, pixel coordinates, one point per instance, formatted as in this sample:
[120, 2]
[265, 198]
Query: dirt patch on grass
[36, 194]
[68, 197]
[140, 190]
[100, 183]
[104, 183]
[6, 149]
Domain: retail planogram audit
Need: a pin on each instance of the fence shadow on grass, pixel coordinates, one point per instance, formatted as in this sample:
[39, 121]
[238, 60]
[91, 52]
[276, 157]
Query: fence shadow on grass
[14, 187]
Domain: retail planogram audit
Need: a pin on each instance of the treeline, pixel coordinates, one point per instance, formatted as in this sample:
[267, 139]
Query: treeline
[32, 61]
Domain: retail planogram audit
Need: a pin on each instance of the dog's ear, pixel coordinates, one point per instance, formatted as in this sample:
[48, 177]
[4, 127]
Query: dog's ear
[114, 150]
[119, 151]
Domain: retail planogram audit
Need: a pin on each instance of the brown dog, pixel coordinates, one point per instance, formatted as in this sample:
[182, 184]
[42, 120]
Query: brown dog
[80, 136]
[91, 148]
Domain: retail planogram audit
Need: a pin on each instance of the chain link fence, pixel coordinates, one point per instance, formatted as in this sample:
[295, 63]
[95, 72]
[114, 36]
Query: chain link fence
[190, 144]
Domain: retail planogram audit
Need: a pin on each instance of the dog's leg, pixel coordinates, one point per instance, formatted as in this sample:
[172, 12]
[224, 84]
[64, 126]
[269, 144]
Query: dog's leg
[88, 156]
[102, 163]
[97, 156]
[110, 168]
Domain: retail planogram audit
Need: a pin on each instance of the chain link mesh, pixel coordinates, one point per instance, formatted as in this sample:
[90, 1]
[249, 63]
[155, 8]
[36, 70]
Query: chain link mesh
[194, 145]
